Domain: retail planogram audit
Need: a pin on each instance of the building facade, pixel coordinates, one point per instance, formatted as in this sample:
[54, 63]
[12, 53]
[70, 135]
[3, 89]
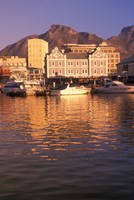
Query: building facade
[76, 65]
[37, 50]
[12, 61]
[12, 66]
[125, 69]
[112, 53]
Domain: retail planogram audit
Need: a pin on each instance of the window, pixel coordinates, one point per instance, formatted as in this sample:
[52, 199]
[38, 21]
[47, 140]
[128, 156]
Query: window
[53, 63]
[53, 72]
[84, 71]
[95, 71]
[95, 63]
[84, 63]
[116, 60]
[70, 71]
[60, 71]
[59, 63]
[101, 63]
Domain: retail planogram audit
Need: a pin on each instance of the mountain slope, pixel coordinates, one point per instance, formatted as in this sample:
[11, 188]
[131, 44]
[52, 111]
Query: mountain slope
[124, 41]
[58, 35]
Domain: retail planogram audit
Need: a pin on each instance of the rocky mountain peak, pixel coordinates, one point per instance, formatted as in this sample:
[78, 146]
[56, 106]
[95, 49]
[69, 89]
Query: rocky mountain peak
[128, 32]
[58, 35]
[61, 29]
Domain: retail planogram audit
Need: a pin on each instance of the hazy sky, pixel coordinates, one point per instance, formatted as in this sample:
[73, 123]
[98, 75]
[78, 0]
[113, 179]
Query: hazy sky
[21, 18]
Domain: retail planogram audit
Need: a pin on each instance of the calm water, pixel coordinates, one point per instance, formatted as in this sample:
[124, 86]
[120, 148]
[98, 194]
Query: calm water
[67, 148]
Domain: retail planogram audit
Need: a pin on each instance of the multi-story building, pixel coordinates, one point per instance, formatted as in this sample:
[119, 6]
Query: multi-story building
[112, 52]
[125, 69]
[12, 66]
[13, 61]
[77, 65]
[37, 50]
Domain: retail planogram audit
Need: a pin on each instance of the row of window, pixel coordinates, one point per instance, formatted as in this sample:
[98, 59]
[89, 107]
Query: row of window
[71, 71]
[14, 64]
[85, 51]
[71, 63]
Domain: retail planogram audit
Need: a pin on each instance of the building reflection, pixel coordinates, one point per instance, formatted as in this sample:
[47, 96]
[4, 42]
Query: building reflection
[55, 126]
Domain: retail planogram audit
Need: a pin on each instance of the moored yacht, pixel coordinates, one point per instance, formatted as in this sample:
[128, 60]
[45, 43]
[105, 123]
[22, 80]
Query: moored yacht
[13, 87]
[113, 87]
[67, 89]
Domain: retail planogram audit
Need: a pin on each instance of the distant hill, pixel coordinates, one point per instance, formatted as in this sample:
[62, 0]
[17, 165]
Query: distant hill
[124, 41]
[58, 35]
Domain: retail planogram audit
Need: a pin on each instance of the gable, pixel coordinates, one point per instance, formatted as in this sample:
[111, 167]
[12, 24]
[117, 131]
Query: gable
[98, 54]
[56, 54]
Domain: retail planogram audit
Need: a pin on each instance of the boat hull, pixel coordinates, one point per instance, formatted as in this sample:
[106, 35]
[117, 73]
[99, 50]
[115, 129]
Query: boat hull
[69, 91]
[113, 92]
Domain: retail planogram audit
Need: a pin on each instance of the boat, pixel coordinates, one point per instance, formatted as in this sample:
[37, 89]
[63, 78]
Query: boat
[17, 93]
[31, 86]
[13, 87]
[67, 89]
[113, 87]
[42, 92]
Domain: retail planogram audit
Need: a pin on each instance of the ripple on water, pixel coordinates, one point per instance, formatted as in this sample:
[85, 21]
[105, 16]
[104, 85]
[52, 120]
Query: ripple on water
[78, 147]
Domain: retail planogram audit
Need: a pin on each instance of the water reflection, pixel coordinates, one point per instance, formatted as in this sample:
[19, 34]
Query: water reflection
[74, 147]
[67, 123]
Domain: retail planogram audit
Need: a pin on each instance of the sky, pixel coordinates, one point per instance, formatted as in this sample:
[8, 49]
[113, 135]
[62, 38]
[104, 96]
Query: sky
[21, 18]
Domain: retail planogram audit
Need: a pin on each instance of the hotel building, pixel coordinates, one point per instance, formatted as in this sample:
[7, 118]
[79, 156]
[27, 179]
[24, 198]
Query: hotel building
[112, 53]
[77, 65]
[37, 50]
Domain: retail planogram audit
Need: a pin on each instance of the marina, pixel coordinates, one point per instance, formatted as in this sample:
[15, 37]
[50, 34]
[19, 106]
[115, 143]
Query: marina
[67, 100]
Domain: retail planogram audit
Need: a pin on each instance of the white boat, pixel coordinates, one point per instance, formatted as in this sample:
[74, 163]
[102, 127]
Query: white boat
[67, 89]
[113, 87]
[13, 87]
[31, 86]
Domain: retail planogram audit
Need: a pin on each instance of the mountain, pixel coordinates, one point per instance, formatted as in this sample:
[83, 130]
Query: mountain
[58, 35]
[17, 49]
[124, 41]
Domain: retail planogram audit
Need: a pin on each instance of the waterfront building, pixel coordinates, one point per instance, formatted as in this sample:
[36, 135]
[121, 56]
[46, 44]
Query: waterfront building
[35, 74]
[112, 52]
[37, 50]
[98, 63]
[12, 61]
[12, 66]
[77, 65]
[125, 68]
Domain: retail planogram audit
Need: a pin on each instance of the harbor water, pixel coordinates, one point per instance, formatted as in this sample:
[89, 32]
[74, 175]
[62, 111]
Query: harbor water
[65, 148]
